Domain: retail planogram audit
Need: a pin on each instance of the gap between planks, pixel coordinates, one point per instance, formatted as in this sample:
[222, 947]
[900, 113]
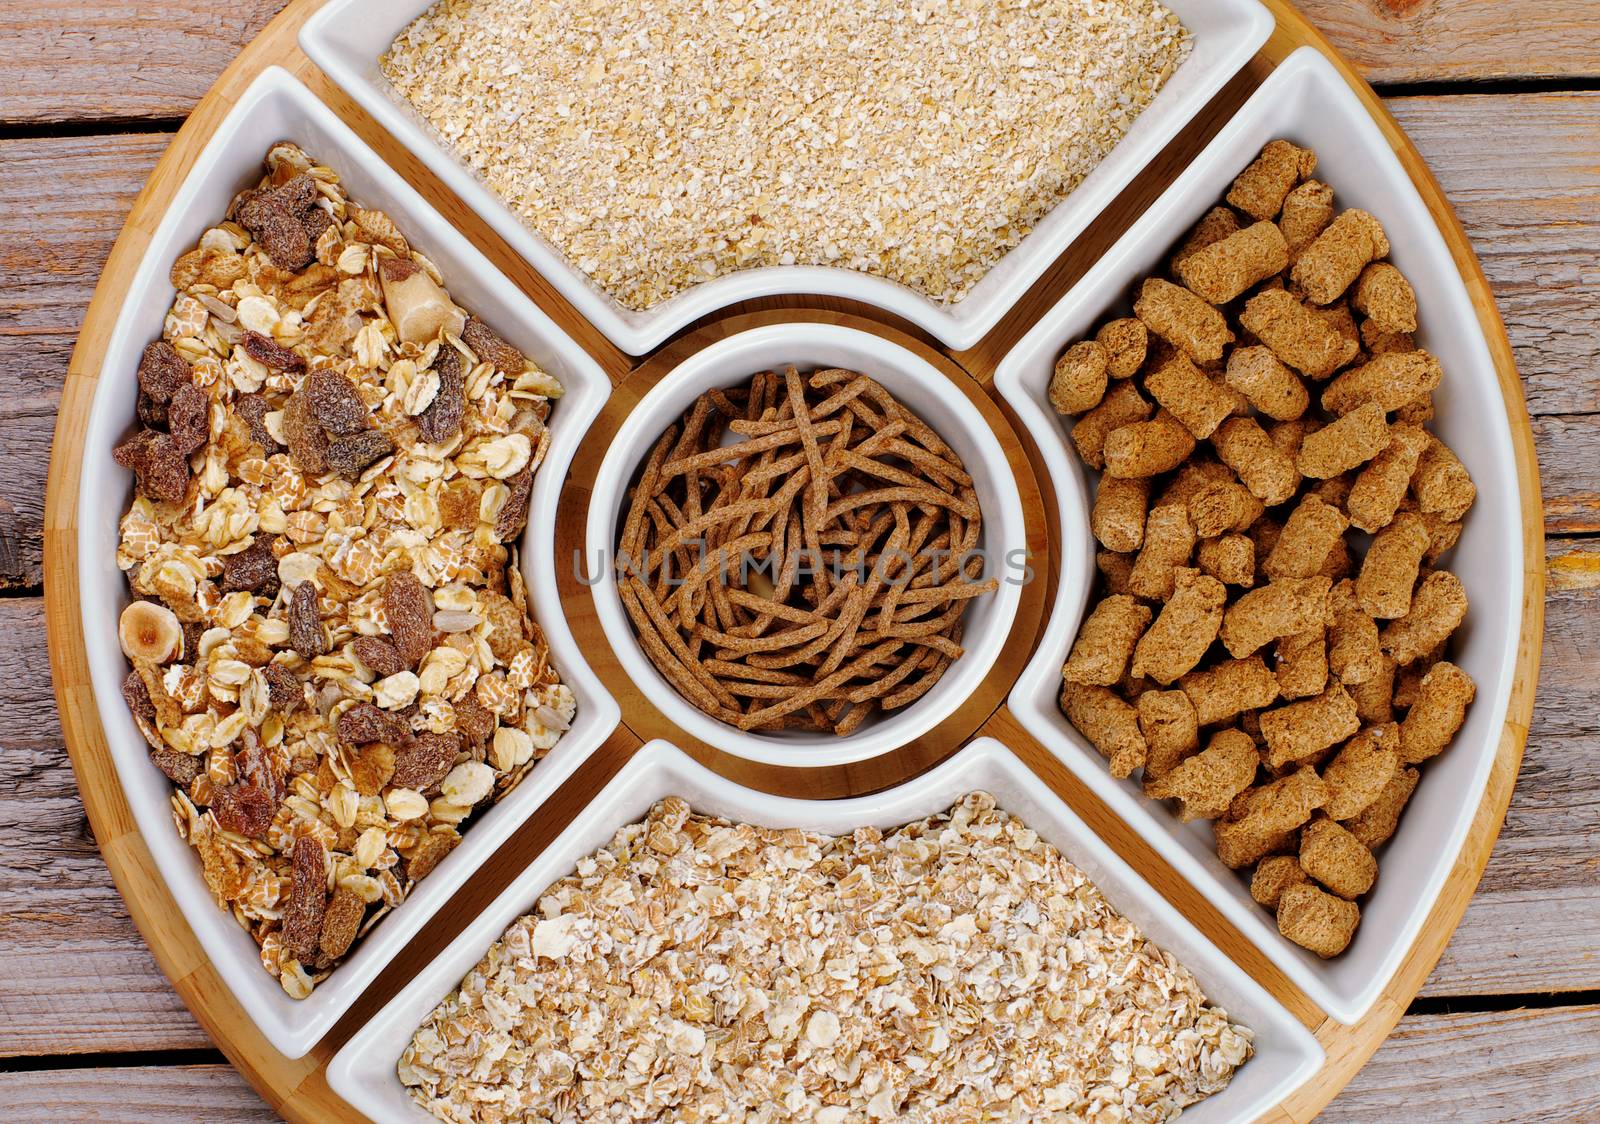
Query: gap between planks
[110, 1060]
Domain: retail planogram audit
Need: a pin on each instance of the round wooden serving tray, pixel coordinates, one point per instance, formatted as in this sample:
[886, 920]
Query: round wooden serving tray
[297, 1088]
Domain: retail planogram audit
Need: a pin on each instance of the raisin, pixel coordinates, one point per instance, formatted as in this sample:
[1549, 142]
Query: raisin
[305, 627]
[316, 220]
[308, 899]
[253, 408]
[270, 353]
[133, 452]
[279, 219]
[442, 419]
[189, 419]
[285, 240]
[137, 697]
[397, 269]
[378, 656]
[348, 456]
[428, 853]
[167, 471]
[162, 371]
[341, 923]
[180, 768]
[308, 445]
[475, 721]
[424, 763]
[244, 810]
[299, 194]
[494, 577]
[251, 206]
[236, 209]
[150, 412]
[513, 517]
[405, 603]
[365, 723]
[251, 568]
[160, 469]
[335, 403]
[492, 347]
[284, 691]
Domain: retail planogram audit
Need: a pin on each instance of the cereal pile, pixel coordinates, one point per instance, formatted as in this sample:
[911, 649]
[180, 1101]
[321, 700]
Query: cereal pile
[663, 144]
[811, 572]
[957, 968]
[1233, 610]
[332, 655]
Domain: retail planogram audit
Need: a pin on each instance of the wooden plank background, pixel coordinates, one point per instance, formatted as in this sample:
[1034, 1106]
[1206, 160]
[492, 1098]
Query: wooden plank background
[1502, 98]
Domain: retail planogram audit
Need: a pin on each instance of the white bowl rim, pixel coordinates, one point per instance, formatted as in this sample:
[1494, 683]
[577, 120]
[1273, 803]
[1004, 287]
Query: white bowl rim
[294, 1027]
[631, 444]
[1245, 27]
[1306, 65]
[658, 767]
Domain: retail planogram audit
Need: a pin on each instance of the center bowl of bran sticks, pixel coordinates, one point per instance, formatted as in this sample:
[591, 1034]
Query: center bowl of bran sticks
[771, 643]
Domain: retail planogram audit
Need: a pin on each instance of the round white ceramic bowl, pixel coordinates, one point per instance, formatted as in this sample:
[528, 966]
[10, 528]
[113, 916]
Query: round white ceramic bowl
[922, 388]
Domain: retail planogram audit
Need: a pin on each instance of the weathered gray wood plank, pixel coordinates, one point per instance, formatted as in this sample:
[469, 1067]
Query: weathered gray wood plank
[157, 1094]
[1521, 172]
[1493, 1068]
[27, 425]
[1460, 40]
[1530, 927]
[1489, 1068]
[118, 60]
[62, 202]
[78, 976]
[1569, 471]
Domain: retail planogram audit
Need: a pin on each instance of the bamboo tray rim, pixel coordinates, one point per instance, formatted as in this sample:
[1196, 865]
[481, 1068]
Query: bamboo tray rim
[298, 1089]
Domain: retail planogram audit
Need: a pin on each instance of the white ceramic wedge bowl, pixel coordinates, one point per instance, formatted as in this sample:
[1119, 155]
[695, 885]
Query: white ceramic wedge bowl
[1305, 101]
[346, 38]
[276, 107]
[920, 387]
[1286, 1054]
